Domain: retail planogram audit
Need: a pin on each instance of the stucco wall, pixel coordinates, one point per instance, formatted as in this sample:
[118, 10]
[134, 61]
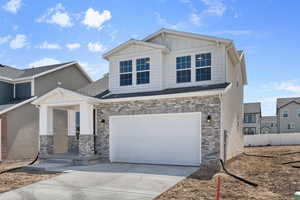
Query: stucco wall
[69, 77]
[232, 113]
[22, 132]
[209, 105]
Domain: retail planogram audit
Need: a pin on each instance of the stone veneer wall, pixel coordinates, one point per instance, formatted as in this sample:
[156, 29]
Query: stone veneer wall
[208, 105]
[73, 144]
[46, 145]
[86, 145]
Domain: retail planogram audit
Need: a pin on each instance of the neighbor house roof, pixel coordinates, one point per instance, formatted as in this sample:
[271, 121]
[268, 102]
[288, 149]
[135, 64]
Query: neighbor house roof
[14, 104]
[269, 119]
[14, 74]
[252, 107]
[96, 87]
[281, 102]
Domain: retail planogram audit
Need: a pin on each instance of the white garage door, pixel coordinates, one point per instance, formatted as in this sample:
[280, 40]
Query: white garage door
[156, 138]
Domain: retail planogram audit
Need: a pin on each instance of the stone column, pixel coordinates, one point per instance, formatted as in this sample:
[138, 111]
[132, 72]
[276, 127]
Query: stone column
[86, 137]
[46, 130]
[72, 139]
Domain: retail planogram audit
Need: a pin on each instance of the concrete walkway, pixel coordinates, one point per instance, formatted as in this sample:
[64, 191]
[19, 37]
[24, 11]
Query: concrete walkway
[104, 181]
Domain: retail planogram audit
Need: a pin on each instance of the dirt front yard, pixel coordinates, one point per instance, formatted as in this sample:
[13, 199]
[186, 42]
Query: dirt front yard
[275, 181]
[20, 177]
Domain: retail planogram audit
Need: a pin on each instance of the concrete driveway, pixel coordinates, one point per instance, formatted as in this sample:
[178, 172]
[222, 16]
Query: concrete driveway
[104, 181]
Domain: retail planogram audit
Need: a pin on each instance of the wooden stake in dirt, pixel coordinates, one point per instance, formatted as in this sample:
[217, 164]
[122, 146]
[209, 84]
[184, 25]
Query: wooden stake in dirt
[218, 188]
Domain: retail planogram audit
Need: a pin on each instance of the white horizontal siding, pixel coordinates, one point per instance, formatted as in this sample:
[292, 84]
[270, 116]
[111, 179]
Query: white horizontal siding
[163, 66]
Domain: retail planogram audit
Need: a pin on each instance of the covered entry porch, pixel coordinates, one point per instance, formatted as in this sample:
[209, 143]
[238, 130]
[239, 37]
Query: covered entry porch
[66, 124]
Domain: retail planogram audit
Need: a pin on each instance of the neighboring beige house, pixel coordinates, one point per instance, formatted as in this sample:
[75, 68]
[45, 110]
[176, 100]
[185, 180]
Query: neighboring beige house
[19, 119]
[269, 124]
[288, 115]
[252, 118]
[172, 98]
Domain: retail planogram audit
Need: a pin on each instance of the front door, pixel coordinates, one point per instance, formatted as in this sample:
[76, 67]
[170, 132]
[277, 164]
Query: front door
[60, 127]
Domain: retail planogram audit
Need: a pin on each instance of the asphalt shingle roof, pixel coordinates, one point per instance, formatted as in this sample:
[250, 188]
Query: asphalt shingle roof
[13, 73]
[284, 101]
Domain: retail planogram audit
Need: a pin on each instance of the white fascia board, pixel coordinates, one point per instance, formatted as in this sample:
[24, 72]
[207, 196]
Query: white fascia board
[186, 34]
[17, 105]
[134, 42]
[167, 96]
[8, 80]
[63, 90]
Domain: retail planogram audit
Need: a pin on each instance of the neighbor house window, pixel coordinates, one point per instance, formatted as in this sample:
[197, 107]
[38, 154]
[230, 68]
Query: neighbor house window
[183, 69]
[143, 71]
[285, 113]
[126, 72]
[203, 67]
[250, 118]
[249, 131]
[291, 126]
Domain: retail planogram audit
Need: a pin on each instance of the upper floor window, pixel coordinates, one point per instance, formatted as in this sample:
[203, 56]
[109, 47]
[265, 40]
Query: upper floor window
[203, 67]
[291, 126]
[249, 130]
[143, 70]
[183, 69]
[23, 90]
[126, 72]
[285, 113]
[250, 118]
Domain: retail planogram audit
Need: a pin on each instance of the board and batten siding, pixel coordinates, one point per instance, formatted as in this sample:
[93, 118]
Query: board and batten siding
[163, 65]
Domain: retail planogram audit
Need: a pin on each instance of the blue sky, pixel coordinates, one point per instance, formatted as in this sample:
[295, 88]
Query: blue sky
[44, 32]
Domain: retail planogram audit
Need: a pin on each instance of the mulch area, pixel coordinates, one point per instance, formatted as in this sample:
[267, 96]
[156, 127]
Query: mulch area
[275, 180]
[20, 177]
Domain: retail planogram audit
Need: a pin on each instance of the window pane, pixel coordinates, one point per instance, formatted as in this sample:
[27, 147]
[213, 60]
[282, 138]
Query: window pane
[142, 77]
[126, 66]
[125, 79]
[183, 62]
[143, 64]
[203, 60]
[203, 74]
[183, 76]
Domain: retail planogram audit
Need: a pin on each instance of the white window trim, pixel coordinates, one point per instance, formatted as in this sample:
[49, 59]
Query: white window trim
[120, 73]
[147, 70]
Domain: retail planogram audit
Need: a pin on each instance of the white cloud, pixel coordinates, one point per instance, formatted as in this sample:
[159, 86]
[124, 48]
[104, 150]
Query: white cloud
[18, 42]
[73, 46]
[43, 62]
[214, 7]
[13, 6]
[94, 19]
[163, 22]
[288, 86]
[4, 39]
[195, 19]
[96, 47]
[235, 32]
[57, 15]
[94, 70]
[46, 45]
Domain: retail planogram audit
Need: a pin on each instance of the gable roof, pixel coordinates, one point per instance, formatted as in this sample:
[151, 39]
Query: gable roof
[14, 74]
[134, 42]
[186, 34]
[252, 107]
[282, 102]
[96, 88]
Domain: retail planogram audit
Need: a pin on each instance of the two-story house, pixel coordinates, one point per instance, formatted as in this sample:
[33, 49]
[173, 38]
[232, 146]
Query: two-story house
[19, 119]
[171, 98]
[269, 124]
[288, 115]
[252, 118]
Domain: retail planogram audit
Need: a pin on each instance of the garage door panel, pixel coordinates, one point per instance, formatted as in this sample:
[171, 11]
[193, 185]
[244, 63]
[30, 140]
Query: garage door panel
[157, 139]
